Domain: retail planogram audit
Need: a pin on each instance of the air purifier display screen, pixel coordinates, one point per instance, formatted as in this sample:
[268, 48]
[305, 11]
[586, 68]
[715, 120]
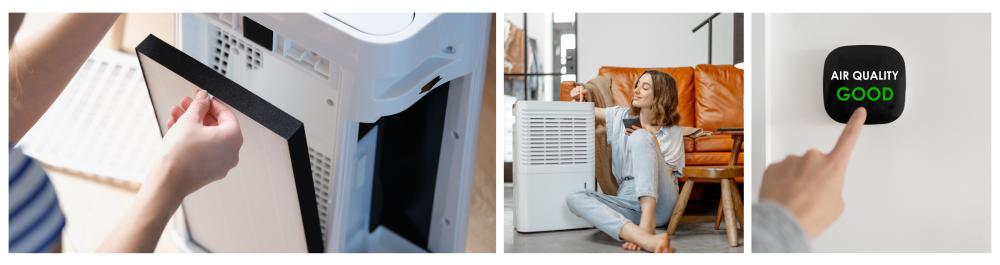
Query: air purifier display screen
[869, 76]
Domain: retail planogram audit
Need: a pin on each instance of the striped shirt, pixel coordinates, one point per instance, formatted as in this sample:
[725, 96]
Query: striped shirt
[35, 219]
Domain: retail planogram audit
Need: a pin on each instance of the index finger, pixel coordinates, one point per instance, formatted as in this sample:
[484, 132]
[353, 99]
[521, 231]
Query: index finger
[842, 151]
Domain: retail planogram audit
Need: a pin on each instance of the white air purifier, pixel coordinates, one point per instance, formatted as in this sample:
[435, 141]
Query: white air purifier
[390, 104]
[553, 155]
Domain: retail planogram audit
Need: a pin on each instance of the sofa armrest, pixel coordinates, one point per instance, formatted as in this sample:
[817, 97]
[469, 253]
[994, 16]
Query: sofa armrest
[564, 88]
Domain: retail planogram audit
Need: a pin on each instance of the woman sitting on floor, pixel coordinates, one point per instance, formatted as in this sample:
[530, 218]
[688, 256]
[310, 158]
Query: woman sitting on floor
[646, 162]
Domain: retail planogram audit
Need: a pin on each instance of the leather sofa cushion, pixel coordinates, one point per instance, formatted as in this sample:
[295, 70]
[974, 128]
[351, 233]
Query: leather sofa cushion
[623, 81]
[718, 91]
[688, 145]
[564, 88]
[714, 143]
[709, 159]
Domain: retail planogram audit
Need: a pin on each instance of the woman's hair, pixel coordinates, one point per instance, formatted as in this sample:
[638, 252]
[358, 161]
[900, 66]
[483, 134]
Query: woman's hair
[665, 99]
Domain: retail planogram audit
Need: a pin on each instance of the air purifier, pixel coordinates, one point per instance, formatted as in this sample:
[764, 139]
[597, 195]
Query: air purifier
[553, 155]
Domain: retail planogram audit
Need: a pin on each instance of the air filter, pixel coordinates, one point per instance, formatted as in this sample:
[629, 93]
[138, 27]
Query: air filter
[267, 202]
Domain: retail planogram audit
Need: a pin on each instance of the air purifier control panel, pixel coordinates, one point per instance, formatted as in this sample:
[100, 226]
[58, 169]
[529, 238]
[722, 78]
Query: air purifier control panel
[869, 76]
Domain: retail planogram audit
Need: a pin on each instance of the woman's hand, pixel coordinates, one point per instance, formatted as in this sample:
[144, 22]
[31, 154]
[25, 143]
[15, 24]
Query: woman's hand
[201, 146]
[628, 131]
[579, 94]
[811, 186]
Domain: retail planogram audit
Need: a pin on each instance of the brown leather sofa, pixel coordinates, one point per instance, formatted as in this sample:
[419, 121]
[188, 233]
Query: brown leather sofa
[711, 96]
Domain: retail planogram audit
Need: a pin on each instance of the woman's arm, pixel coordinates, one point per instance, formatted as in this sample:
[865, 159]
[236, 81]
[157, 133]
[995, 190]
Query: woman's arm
[42, 64]
[579, 94]
[140, 229]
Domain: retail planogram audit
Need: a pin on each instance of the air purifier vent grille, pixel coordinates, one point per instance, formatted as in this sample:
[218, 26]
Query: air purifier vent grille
[321, 167]
[554, 133]
[225, 47]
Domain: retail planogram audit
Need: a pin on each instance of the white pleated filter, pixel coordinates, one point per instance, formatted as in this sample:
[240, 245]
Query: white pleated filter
[101, 124]
[255, 208]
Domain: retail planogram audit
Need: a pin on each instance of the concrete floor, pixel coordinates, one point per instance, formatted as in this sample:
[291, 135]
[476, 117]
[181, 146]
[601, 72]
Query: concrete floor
[695, 234]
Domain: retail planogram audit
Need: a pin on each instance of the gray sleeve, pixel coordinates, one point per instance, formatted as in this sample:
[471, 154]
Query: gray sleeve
[775, 229]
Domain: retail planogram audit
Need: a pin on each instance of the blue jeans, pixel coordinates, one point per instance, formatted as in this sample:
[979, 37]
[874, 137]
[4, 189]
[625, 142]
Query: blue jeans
[646, 176]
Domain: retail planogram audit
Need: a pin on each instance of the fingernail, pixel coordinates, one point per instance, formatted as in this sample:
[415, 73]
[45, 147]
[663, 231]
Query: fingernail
[202, 94]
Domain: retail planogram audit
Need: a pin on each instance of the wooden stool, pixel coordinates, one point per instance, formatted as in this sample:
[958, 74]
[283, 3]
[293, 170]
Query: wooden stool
[731, 204]
[737, 199]
[732, 207]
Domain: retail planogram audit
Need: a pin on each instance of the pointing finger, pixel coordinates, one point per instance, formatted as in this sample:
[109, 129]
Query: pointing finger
[842, 151]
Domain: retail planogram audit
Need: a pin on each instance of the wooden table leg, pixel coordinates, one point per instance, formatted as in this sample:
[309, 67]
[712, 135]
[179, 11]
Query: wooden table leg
[735, 154]
[682, 200]
[737, 203]
[718, 214]
[727, 204]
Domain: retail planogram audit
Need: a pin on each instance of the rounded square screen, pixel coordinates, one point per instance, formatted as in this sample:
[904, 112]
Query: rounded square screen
[869, 76]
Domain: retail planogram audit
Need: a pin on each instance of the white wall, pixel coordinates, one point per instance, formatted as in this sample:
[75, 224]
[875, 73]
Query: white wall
[921, 183]
[650, 40]
[758, 149]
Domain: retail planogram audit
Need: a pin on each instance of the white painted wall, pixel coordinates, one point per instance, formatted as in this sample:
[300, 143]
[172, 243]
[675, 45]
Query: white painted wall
[758, 148]
[921, 183]
[650, 40]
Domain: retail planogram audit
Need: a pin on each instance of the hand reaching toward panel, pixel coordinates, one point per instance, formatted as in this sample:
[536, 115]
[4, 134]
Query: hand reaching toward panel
[811, 186]
[579, 94]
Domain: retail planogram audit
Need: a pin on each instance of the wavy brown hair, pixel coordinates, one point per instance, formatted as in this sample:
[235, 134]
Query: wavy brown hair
[665, 99]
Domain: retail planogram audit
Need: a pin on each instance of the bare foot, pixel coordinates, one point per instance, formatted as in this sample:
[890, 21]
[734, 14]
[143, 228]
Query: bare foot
[648, 242]
[631, 246]
[664, 244]
[657, 244]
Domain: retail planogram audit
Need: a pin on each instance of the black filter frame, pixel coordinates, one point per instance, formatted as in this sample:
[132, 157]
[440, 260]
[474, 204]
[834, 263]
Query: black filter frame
[256, 108]
[869, 76]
